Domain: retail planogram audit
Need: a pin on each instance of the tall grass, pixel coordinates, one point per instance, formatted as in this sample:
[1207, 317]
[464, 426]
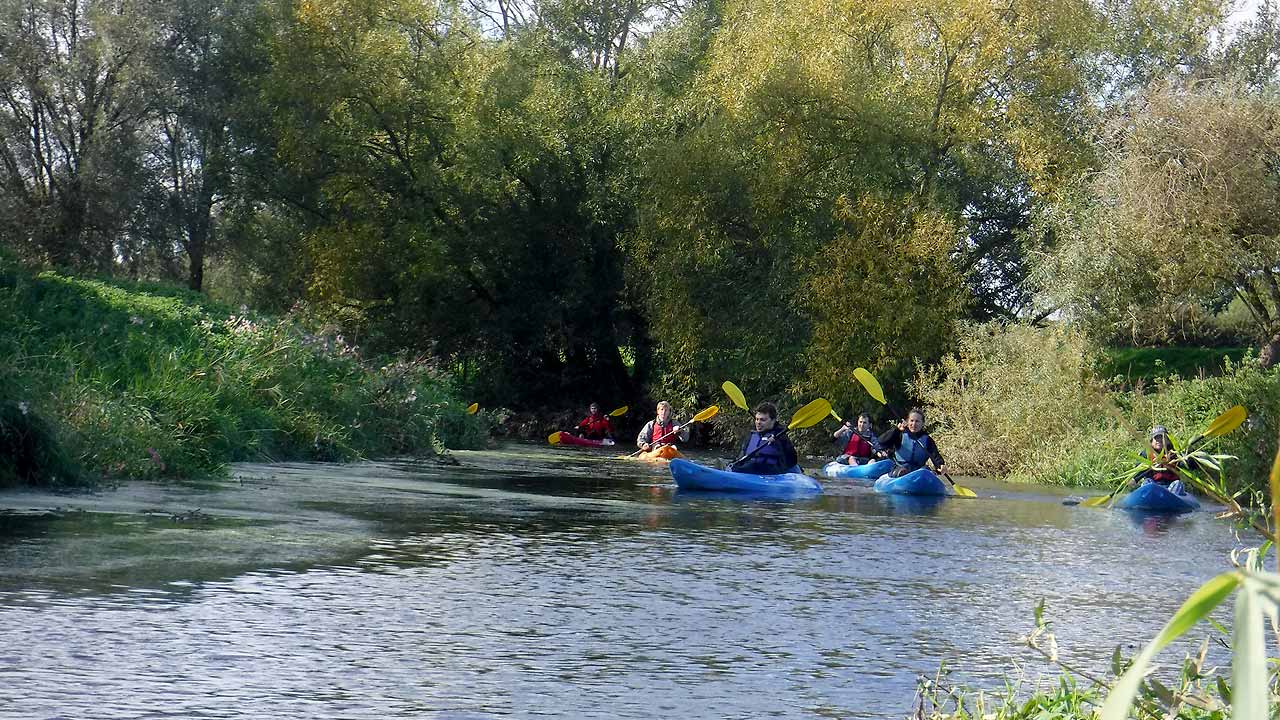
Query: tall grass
[105, 380]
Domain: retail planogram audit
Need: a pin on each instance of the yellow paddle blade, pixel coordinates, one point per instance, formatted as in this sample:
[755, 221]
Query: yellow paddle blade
[963, 491]
[472, 408]
[1096, 501]
[870, 383]
[554, 438]
[810, 414]
[706, 414]
[834, 415]
[620, 411]
[734, 394]
[1227, 421]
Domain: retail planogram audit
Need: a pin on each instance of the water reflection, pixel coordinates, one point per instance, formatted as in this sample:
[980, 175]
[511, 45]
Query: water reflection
[599, 593]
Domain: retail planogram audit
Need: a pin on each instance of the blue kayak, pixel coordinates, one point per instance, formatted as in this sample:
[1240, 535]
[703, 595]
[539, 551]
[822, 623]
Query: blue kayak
[1154, 497]
[692, 476]
[870, 471]
[916, 482]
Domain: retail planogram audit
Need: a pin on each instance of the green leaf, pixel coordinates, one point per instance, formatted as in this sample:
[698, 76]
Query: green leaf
[1200, 604]
[1224, 691]
[1249, 658]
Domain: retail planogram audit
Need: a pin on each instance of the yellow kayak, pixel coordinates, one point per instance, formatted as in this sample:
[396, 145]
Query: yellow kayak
[666, 452]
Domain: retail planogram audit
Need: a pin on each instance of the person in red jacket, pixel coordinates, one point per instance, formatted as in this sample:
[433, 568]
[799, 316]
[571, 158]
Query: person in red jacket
[595, 426]
[862, 445]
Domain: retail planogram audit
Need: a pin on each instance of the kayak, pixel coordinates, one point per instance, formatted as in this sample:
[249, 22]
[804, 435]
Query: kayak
[666, 452]
[1154, 497]
[870, 471]
[916, 482]
[692, 476]
[567, 439]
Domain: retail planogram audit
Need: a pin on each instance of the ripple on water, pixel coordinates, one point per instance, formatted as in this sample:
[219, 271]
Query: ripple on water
[646, 605]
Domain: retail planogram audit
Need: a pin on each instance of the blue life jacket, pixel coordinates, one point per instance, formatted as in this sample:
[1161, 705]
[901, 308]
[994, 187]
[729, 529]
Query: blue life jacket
[912, 452]
[772, 456]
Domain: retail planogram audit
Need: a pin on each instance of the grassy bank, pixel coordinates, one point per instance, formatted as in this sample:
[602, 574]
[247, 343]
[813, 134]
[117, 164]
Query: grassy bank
[1132, 366]
[106, 380]
[1038, 404]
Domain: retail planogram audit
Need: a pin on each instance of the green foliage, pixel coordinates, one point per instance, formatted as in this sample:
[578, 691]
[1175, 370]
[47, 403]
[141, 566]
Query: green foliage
[1133, 365]
[1183, 215]
[133, 382]
[1028, 403]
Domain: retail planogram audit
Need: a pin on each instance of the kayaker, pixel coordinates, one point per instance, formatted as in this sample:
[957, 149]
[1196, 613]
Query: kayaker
[776, 453]
[862, 445]
[661, 430]
[1164, 471]
[595, 426]
[911, 447]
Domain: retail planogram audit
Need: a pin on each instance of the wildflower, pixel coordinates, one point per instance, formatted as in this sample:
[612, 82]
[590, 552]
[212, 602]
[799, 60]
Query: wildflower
[135, 319]
[23, 407]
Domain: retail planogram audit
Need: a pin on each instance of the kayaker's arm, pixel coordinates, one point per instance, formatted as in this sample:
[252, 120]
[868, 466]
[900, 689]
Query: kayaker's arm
[890, 438]
[788, 450]
[934, 455]
[641, 439]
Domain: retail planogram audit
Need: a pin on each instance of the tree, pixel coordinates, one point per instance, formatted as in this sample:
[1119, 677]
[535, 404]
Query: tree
[72, 98]
[1185, 209]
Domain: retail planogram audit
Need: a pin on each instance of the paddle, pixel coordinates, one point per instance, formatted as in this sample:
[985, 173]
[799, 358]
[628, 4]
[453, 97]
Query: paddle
[1221, 425]
[807, 416]
[734, 394]
[872, 386]
[473, 408]
[706, 414]
[554, 438]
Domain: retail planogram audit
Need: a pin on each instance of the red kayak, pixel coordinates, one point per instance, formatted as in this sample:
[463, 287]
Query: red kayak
[565, 438]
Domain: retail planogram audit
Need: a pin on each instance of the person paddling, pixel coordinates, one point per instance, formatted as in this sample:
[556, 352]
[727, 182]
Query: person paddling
[911, 446]
[595, 426]
[862, 446]
[776, 454]
[661, 430]
[1165, 462]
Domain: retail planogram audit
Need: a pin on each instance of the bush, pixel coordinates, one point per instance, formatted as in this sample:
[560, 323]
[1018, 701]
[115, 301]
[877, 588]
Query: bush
[138, 381]
[1026, 403]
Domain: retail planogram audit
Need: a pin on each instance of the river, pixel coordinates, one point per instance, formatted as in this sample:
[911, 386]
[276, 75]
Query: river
[541, 582]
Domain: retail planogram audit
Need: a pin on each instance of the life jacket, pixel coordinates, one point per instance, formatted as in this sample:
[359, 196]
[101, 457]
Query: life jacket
[656, 433]
[596, 426]
[771, 459]
[912, 452]
[858, 446]
[1161, 474]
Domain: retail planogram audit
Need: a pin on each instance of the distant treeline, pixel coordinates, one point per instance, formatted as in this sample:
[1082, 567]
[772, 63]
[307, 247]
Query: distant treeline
[555, 201]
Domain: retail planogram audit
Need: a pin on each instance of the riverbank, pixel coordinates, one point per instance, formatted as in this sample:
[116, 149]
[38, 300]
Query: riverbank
[106, 380]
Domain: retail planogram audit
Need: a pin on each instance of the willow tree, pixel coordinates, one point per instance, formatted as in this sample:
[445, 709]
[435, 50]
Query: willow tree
[1185, 212]
[810, 125]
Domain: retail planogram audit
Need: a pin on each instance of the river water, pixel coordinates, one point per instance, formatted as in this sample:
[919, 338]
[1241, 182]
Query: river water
[534, 582]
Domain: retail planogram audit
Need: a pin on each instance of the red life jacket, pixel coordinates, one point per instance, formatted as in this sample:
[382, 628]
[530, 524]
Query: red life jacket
[656, 433]
[1163, 476]
[858, 447]
[596, 426]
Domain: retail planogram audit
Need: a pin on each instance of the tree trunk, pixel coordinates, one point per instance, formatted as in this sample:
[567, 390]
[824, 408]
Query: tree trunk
[1269, 355]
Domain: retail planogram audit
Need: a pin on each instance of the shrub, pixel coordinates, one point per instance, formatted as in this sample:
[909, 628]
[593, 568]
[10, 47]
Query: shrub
[1026, 403]
[145, 382]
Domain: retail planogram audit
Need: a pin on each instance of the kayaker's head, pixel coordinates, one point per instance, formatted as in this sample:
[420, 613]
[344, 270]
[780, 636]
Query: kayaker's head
[864, 423]
[664, 412]
[594, 409]
[766, 416]
[1159, 438]
[915, 420]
